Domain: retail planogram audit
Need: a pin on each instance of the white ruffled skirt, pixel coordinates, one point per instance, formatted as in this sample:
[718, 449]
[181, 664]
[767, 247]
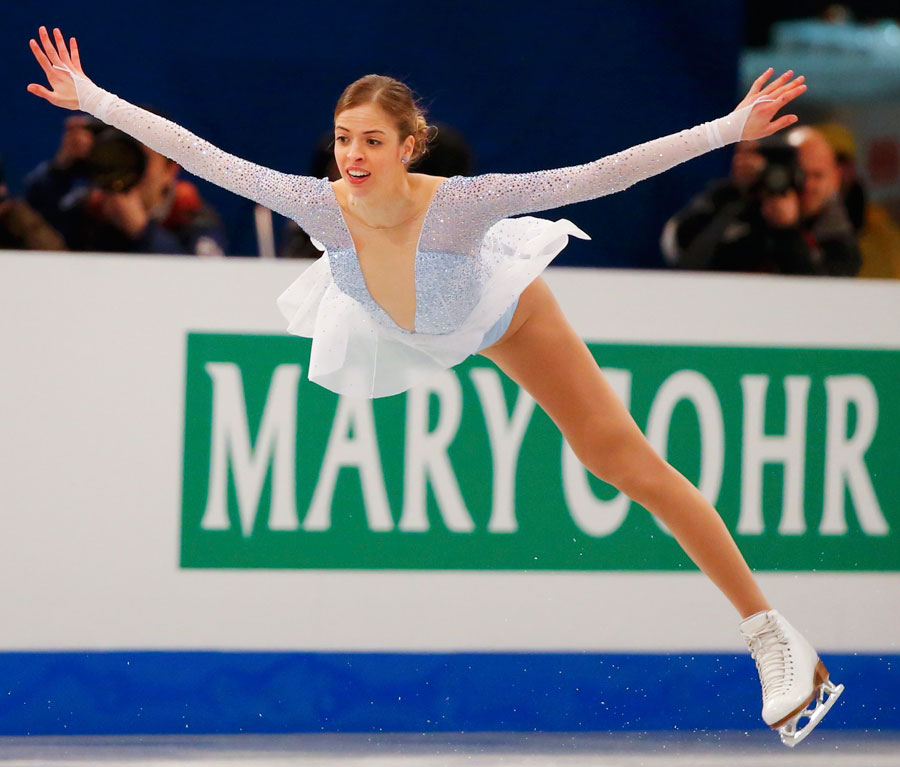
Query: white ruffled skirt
[355, 355]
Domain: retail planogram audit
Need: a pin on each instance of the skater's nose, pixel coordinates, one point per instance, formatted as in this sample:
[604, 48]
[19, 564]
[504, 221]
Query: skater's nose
[357, 149]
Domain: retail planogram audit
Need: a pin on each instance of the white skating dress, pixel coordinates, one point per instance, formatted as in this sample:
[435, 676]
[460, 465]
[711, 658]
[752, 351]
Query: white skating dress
[472, 261]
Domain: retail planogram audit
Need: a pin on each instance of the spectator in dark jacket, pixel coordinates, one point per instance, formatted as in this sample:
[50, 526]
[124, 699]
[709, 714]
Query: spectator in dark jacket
[805, 230]
[793, 222]
[107, 192]
[723, 211]
[22, 227]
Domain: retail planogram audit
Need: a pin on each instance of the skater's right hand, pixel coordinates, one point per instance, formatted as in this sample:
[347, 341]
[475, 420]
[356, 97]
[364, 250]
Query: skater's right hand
[62, 91]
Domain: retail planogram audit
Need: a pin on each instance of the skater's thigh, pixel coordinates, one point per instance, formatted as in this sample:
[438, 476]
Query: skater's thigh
[545, 356]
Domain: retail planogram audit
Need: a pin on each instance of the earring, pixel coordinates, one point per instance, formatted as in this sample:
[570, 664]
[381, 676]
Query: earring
[404, 159]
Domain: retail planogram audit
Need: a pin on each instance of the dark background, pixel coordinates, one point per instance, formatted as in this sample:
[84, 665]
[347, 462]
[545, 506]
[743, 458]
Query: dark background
[532, 85]
[760, 14]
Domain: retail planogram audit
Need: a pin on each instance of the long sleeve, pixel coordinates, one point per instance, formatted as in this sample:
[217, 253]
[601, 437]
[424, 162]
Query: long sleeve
[509, 194]
[290, 195]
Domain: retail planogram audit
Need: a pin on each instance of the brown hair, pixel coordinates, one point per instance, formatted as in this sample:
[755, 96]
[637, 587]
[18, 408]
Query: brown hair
[400, 103]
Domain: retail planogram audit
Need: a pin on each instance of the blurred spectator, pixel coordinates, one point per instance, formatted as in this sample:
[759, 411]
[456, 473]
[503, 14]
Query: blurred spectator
[793, 220]
[804, 225]
[852, 191]
[21, 227]
[448, 155]
[47, 184]
[726, 209]
[107, 192]
[879, 236]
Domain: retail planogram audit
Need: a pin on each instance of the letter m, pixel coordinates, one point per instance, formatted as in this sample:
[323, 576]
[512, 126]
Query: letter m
[230, 447]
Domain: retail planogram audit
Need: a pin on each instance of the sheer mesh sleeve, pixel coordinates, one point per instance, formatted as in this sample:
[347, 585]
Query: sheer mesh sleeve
[508, 194]
[290, 195]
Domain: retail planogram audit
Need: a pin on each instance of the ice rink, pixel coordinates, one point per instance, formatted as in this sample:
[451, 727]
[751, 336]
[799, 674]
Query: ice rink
[708, 749]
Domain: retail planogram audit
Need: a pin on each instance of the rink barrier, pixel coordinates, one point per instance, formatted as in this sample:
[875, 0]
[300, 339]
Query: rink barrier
[117, 693]
[492, 584]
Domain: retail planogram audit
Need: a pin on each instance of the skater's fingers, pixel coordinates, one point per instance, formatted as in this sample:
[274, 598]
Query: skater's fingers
[41, 91]
[776, 83]
[760, 89]
[787, 87]
[41, 57]
[758, 82]
[61, 48]
[775, 105]
[780, 123]
[76, 57]
[791, 95]
[49, 49]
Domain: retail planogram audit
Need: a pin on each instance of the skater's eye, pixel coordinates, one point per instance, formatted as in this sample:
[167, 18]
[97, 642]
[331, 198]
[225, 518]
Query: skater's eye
[374, 141]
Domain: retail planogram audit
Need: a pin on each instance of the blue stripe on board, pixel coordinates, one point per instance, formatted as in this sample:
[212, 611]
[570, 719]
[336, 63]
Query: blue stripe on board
[111, 693]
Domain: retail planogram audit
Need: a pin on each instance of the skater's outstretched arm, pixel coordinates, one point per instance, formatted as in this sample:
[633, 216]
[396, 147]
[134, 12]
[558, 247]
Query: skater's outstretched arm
[507, 194]
[70, 88]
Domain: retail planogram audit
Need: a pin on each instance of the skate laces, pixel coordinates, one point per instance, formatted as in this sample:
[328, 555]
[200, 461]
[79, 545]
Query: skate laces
[771, 651]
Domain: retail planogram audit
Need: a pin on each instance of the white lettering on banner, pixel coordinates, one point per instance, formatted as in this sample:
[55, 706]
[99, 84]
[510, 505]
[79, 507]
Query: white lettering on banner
[845, 456]
[505, 435]
[275, 446]
[695, 388]
[593, 515]
[426, 456]
[759, 449]
[359, 451]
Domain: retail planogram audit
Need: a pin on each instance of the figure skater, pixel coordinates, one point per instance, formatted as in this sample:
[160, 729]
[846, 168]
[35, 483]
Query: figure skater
[421, 271]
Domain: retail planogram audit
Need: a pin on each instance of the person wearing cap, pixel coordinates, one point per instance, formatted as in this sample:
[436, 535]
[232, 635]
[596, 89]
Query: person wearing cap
[878, 233]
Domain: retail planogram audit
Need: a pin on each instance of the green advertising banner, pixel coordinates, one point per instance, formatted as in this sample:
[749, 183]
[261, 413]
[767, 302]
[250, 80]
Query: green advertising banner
[797, 448]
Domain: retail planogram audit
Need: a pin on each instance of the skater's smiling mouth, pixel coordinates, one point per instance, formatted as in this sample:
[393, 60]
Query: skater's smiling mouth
[357, 175]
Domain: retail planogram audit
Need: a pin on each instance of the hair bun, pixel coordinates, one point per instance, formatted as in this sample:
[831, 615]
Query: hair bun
[424, 135]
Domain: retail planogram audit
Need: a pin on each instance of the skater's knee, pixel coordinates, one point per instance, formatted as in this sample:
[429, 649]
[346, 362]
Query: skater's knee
[643, 479]
[620, 456]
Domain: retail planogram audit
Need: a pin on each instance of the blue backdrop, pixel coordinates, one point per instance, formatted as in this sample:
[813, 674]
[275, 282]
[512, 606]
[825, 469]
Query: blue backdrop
[531, 84]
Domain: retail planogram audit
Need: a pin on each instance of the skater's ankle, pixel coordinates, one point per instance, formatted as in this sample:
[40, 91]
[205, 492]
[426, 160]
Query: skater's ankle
[756, 608]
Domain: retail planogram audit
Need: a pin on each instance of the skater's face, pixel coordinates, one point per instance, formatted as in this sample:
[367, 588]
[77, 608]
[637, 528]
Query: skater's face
[368, 149]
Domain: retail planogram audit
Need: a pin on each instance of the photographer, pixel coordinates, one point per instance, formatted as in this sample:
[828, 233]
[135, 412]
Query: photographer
[726, 209]
[107, 192]
[52, 180]
[804, 224]
[792, 220]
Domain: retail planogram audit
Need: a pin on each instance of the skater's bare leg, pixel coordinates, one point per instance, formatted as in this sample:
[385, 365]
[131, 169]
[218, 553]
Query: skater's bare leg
[544, 355]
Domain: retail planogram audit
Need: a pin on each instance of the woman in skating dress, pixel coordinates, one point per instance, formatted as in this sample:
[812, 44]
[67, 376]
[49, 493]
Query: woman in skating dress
[419, 272]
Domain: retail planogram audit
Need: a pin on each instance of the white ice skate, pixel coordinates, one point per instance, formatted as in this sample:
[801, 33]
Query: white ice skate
[792, 676]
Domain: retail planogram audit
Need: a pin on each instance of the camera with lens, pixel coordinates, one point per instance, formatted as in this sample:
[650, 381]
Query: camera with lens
[781, 172]
[116, 161]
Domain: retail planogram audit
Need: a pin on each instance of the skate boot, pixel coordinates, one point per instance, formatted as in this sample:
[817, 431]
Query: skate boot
[792, 676]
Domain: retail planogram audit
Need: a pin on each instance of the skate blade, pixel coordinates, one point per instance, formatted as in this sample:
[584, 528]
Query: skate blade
[792, 733]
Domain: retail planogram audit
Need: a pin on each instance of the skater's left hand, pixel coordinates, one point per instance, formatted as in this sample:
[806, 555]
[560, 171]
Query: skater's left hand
[781, 90]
